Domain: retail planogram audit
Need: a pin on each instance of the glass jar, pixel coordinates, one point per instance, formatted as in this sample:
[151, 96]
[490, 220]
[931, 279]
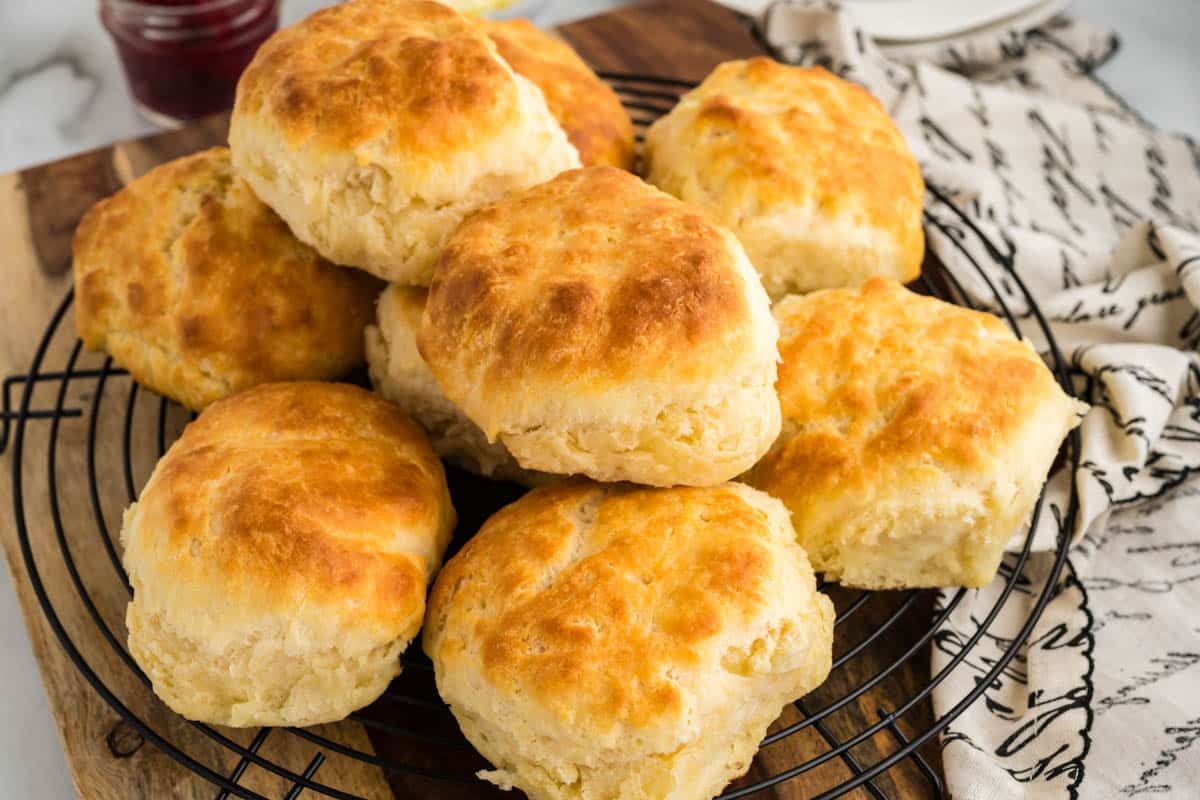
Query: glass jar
[182, 58]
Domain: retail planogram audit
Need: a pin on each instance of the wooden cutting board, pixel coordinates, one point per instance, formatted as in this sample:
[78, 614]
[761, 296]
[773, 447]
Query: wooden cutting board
[109, 758]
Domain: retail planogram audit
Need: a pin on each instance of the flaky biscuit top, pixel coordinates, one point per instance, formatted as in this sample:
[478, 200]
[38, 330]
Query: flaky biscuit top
[593, 284]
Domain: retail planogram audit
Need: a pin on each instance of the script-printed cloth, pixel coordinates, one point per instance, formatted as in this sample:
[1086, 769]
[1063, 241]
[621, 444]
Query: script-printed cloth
[1046, 188]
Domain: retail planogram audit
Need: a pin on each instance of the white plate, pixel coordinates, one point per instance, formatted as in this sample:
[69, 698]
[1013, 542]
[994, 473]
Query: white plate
[920, 20]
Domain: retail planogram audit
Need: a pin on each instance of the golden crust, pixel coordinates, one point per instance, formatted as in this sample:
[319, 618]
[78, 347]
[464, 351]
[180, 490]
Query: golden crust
[373, 127]
[907, 418]
[420, 72]
[588, 110]
[319, 479]
[570, 303]
[700, 596]
[290, 519]
[200, 290]
[592, 268]
[807, 168]
[695, 559]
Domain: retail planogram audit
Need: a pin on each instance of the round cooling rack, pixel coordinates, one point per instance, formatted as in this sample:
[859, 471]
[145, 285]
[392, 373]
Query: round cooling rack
[103, 434]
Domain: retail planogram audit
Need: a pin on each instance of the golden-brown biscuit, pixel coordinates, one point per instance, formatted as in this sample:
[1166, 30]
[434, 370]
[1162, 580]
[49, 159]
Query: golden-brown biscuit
[199, 290]
[622, 642]
[598, 326]
[806, 168]
[916, 435]
[280, 552]
[374, 126]
[400, 374]
[588, 110]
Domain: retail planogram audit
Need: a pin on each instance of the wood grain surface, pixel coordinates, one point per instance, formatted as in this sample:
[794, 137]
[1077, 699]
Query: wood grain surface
[109, 757]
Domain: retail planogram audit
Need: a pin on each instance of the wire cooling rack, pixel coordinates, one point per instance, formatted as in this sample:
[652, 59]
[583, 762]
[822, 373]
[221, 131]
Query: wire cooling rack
[89, 411]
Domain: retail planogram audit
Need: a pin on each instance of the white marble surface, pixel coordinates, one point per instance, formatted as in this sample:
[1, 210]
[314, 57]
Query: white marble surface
[61, 92]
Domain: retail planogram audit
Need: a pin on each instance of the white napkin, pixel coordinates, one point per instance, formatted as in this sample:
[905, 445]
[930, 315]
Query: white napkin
[1036, 169]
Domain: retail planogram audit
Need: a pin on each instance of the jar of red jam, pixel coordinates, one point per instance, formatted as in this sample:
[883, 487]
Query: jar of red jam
[183, 57]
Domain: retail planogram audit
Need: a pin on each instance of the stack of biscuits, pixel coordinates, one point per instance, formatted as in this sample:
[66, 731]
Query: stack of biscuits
[712, 376]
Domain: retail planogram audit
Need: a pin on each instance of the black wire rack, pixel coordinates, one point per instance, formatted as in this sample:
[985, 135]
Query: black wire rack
[102, 434]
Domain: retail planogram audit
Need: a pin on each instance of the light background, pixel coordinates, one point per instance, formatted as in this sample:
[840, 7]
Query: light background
[61, 92]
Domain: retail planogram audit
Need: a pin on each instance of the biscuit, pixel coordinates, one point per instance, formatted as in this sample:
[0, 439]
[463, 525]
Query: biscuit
[806, 168]
[622, 642]
[374, 126]
[587, 109]
[400, 374]
[199, 290]
[280, 553]
[916, 436]
[595, 325]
